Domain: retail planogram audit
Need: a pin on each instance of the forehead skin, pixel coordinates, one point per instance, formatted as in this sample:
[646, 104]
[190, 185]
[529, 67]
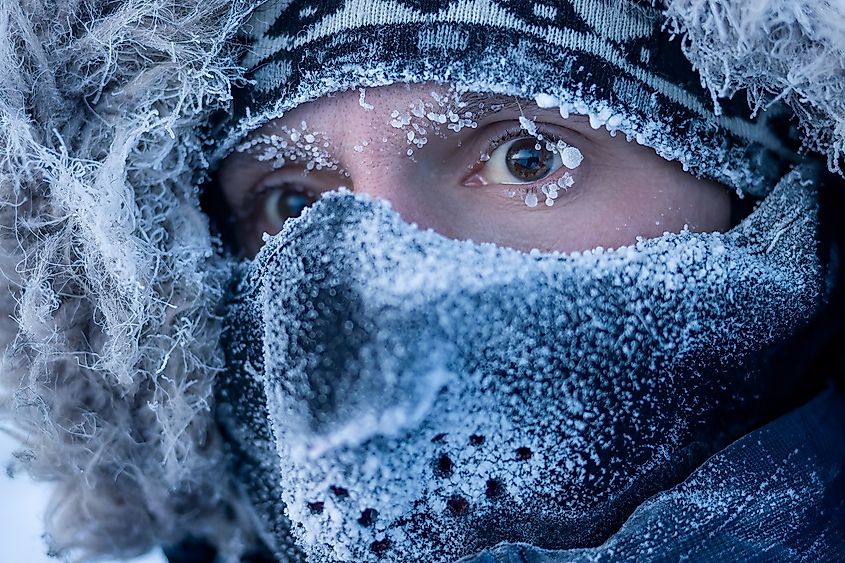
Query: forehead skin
[622, 190]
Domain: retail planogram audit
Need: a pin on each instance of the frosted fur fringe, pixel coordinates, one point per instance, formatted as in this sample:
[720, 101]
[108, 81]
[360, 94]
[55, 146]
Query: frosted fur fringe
[789, 50]
[111, 354]
[111, 278]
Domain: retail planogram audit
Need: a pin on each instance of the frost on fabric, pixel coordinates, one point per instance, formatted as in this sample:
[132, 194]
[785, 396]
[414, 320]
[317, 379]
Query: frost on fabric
[109, 273]
[775, 50]
[431, 397]
[766, 495]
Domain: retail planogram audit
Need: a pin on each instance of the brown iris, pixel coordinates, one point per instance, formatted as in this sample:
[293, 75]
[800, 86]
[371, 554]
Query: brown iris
[527, 162]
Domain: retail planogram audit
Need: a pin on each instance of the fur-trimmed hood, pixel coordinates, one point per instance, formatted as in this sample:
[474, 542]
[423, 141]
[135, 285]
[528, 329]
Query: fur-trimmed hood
[112, 278]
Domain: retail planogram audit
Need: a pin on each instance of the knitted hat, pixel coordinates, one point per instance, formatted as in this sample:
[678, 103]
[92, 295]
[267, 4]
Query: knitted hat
[610, 60]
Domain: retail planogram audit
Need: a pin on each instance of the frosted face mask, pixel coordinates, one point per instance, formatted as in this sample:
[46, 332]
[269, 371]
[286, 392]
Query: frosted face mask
[395, 395]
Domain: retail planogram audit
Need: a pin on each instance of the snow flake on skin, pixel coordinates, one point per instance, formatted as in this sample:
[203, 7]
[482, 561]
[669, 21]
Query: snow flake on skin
[362, 100]
[292, 145]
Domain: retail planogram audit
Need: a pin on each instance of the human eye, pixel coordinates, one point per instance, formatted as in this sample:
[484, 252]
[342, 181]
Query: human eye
[280, 196]
[288, 200]
[302, 170]
[529, 162]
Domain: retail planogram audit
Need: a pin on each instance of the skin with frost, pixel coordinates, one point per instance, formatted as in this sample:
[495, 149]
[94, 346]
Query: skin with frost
[415, 146]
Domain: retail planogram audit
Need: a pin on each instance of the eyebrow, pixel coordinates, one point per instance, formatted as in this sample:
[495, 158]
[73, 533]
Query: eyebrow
[479, 102]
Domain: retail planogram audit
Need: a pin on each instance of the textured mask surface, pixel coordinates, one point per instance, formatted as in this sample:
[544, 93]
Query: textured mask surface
[409, 397]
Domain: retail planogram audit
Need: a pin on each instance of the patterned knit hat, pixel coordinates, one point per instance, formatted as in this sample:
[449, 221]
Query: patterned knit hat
[608, 59]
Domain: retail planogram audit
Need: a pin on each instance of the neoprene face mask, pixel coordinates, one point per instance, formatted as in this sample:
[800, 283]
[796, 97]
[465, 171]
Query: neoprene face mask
[397, 395]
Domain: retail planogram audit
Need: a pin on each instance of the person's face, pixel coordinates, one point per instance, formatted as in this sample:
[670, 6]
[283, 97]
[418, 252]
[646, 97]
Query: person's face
[487, 178]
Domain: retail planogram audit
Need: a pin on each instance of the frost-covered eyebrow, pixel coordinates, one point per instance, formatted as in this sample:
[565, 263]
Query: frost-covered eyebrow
[479, 103]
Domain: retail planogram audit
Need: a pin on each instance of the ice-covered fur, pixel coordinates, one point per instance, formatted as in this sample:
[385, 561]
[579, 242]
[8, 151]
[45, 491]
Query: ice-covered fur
[793, 50]
[109, 275]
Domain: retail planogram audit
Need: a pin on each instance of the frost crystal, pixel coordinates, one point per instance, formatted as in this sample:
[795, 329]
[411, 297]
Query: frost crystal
[546, 101]
[571, 157]
[362, 100]
[291, 145]
[528, 125]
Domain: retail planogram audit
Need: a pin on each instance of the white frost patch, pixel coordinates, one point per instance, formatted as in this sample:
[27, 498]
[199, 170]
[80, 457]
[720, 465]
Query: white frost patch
[546, 101]
[391, 422]
[571, 157]
[362, 100]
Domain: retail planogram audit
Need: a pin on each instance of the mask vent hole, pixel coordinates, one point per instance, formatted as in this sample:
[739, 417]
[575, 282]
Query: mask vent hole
[380, 547]
[368, 517]
[457, 505]
[443, 466]
[494, 489]
[316, 507]
[523, 453]
[339, 492]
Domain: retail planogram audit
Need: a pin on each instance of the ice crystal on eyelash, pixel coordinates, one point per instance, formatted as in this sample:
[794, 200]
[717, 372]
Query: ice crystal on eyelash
[566, 181]
[571, 157]
[528, 125]
[531, 199]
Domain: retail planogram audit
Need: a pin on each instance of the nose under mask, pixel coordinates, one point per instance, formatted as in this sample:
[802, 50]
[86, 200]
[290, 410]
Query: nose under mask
[395, 395]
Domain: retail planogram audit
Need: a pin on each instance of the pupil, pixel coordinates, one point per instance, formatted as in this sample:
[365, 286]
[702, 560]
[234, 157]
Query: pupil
[527, 162]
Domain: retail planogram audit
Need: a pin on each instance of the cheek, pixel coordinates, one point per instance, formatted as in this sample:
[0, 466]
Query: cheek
[647, 205]
[614, 211]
